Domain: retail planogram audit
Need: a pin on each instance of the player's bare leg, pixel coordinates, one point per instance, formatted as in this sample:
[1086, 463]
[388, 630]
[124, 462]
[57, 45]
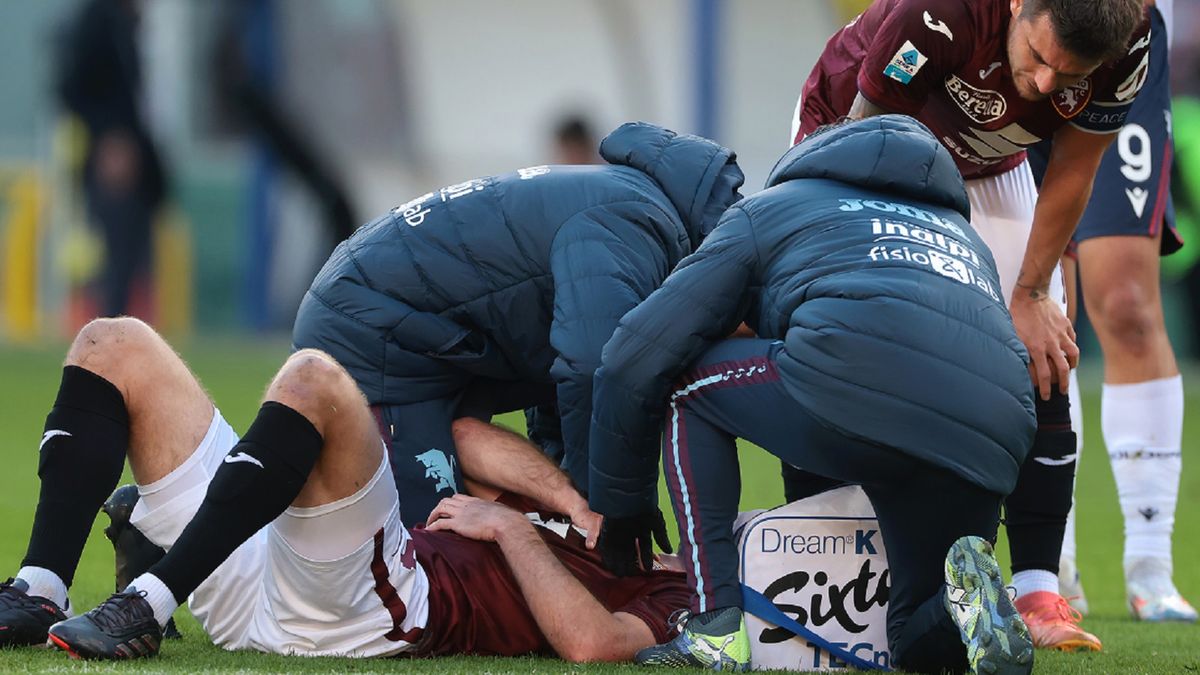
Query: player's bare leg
[313, 442]
[123, 388]
[314, 385]
[1121, 291]
[169, 411]
[1142, 412]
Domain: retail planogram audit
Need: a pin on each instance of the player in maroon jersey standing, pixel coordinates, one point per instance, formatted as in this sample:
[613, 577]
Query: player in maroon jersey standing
[990, 78]
[1114, 256]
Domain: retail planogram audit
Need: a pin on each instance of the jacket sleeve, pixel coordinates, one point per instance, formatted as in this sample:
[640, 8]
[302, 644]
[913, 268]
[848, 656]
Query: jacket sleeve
[702, 301]
[604, 261]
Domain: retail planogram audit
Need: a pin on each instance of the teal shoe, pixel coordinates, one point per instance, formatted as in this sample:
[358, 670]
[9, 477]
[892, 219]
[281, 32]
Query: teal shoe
[719, 641]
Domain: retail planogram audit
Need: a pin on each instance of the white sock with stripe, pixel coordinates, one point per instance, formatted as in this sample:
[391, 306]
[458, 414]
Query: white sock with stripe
[1143, 429]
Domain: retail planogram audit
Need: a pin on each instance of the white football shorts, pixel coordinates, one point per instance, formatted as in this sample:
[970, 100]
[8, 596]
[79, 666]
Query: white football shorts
[358, 592]
[1002, 213]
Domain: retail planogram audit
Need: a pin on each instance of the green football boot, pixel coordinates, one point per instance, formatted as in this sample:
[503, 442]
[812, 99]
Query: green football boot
[996, 638]
[716, 640]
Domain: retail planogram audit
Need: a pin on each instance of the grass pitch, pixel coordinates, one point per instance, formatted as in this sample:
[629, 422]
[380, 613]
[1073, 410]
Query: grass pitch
[236, 372]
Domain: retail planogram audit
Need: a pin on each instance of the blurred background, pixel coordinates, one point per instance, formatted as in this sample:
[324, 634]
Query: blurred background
[193, 163]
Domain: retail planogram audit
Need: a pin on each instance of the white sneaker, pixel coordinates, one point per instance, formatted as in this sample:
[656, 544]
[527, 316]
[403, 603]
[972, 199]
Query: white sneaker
[1070, 587]
[1152, 595]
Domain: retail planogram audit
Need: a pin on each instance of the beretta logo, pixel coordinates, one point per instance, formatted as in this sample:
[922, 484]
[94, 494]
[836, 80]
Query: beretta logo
[1071, 101]
[981, 105]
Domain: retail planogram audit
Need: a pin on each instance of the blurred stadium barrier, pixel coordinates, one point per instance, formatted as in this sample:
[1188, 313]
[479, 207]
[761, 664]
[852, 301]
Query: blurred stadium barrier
[173, 273]
[442, 91]
[21, 205]
[50, 255]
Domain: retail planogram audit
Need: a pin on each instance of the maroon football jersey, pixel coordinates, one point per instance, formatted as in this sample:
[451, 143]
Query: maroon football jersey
[476, 606]
[945, 62]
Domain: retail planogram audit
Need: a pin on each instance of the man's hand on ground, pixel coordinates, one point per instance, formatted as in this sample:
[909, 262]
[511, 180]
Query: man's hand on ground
[474, 518]
[1049, 337]
[625, 543]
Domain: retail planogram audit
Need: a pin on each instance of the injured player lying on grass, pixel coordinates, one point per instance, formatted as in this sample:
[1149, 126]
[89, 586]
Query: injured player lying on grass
[289, 540]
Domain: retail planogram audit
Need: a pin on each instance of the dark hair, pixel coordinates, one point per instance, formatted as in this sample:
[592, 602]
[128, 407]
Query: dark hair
[839, 122]
[574, 129]
[1096, 30]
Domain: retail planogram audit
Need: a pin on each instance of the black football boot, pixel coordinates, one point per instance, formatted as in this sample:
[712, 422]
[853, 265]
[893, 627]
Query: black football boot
[132, 551]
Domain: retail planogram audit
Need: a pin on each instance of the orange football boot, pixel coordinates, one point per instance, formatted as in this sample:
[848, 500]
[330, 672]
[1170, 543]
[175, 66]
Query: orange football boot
[1054, 624]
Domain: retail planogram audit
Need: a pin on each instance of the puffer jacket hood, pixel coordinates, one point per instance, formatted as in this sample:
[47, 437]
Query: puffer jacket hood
[515, 282]
[891, 328]
[700, 177]
[888, 153]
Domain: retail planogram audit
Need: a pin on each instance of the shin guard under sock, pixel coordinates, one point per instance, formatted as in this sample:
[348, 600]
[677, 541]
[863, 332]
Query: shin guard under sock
[81, 457]
[259, 478]
[1068, 547]
[1036, 511]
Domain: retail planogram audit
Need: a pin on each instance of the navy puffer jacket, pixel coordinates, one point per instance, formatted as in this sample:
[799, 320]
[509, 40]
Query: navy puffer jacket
[519, 277]
[860, 257]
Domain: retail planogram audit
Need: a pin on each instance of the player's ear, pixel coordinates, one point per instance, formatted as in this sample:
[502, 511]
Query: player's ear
[1015, 6]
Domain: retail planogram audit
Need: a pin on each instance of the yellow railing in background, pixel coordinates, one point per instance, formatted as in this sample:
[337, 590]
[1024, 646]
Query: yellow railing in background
[77, 255]
[173, 272]
[20, 229]
[848, 9]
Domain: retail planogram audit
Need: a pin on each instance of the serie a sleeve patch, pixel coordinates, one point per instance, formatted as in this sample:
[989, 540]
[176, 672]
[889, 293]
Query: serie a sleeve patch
[905, 63]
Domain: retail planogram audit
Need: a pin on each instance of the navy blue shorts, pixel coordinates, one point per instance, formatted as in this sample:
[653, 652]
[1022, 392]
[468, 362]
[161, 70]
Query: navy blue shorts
[1132, 192]
[420, 443]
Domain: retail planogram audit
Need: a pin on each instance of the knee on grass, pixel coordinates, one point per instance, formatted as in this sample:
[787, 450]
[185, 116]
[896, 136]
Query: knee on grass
[117, 348]
[312, 383]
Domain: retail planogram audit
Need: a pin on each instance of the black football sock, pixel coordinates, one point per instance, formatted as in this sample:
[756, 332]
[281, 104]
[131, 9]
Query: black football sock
[81, 457]
[259, 478]
[1036, 511]
[721, 621]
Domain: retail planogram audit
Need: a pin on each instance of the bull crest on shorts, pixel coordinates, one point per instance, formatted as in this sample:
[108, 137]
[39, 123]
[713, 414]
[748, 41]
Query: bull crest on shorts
[440, 468]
